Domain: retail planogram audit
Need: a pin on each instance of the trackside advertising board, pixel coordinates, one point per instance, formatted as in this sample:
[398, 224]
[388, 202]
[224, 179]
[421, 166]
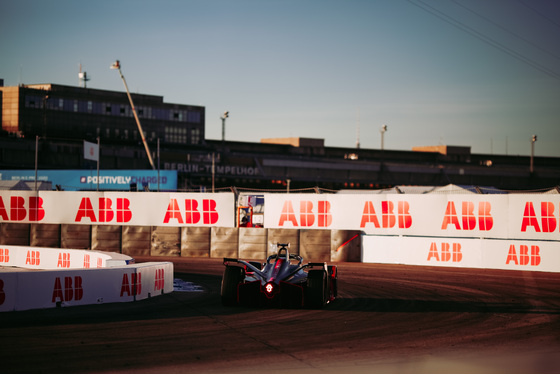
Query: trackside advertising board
[52, 288]
[118, 208]
[66, 277]
[76, 180]
[523, 216]
[530, 255]
[53, 258]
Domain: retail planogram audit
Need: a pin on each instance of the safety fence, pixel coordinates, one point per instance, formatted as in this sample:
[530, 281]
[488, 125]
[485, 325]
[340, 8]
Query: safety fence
[505, 231]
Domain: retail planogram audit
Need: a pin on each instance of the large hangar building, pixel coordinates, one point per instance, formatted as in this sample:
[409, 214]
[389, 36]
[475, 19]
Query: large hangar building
[59, 118]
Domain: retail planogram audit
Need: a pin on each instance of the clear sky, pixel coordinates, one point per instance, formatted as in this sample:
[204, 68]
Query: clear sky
[478, 73]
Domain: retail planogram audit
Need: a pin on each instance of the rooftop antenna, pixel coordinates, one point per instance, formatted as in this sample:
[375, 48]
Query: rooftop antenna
[358, 128]
[83, 77]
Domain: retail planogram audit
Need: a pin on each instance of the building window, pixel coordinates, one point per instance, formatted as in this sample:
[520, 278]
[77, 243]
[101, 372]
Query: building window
[193, 117]
[195, 136]
[108, 109]
[89, 106]
[75, 105]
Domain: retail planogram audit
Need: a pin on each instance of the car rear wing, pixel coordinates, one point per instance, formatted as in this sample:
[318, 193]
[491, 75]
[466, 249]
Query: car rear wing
[316, 264]
[228, 260]
[251, 266]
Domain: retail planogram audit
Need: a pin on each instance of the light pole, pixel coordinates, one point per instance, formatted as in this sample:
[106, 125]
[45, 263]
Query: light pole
[117, 65]
[382, 131]
[45, 98]
[223, 118]
[36, 158]
[533, 140]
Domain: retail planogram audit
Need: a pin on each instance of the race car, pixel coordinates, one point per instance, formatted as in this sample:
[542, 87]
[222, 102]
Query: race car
[282, 281]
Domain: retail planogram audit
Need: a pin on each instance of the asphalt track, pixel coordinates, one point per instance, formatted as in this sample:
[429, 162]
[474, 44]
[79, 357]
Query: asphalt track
[388, 319]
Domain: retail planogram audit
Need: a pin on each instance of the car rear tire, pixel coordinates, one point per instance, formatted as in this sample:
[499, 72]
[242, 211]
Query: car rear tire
[233, 275]
[316, 288]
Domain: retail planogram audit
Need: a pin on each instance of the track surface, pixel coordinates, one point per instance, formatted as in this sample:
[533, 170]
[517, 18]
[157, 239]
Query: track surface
[388, 319]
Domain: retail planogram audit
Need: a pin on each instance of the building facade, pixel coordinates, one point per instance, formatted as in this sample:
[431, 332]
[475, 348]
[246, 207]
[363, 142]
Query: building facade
[65, 112]
[63, 117]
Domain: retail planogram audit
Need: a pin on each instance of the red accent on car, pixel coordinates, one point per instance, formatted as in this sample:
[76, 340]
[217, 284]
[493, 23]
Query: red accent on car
[270, 290]
[276, 269]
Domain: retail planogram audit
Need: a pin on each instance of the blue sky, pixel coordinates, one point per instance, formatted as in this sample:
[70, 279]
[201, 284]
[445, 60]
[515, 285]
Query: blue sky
[478, 73]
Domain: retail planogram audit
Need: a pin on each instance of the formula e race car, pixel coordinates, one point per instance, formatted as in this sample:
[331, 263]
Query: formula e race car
[281, 281]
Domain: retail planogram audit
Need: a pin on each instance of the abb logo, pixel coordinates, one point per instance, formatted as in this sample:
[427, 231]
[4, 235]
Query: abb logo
[63, 260]
[4, 255]
[87, 262]
[19, 211]
[105, 213]
[527, 255]
[131, 284]
[160, 280]
[192, 213]
[547, 219]
[388, 217]
[33, 258]
[72, 289]
[447, 252]
[468, 217]
[306, 214]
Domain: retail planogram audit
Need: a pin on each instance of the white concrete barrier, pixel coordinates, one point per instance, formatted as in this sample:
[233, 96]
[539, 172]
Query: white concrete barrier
[56, 258]
[57, 277]
[511, 254]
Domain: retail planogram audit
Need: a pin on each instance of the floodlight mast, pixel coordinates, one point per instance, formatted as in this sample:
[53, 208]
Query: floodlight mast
[223, 118]
[382, 131]
[117, 65]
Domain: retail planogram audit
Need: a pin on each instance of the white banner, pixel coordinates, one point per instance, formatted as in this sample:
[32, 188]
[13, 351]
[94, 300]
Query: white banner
[528, 216]
[460, 252]
[56, 258]
[118, 208]
[156, 278]
[535, 216]
[91, 151]
[49, 288]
